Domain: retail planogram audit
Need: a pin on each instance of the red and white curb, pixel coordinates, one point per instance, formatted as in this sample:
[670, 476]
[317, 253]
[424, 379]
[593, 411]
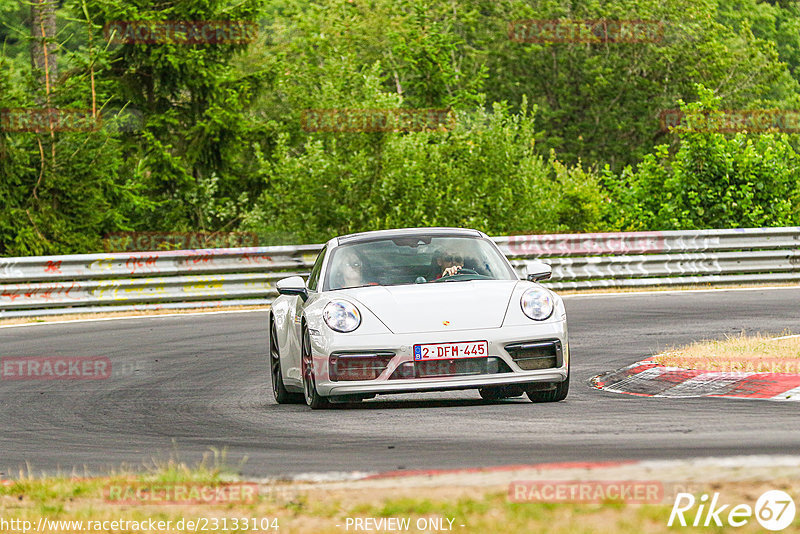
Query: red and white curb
[651, 379]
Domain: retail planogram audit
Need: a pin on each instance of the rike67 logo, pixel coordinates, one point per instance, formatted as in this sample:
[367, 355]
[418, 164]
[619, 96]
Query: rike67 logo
[774, 510]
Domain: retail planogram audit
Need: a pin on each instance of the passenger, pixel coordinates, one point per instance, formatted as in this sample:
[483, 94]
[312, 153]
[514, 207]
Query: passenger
[349, 272]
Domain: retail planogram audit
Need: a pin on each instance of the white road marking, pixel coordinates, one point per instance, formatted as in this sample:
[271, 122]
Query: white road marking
[674, 291]
[128, 317]
[791, 395]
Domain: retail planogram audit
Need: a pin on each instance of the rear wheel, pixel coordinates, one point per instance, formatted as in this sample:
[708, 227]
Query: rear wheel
[313, 399]
[556, 392]
[282, 395]
[500, 392]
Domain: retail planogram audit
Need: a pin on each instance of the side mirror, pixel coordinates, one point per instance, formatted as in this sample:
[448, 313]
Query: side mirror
[538, 270]
[294, 285]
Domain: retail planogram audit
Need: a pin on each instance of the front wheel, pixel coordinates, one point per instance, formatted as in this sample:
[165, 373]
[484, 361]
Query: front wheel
[554, 394]
[313, 398]
[282, 395]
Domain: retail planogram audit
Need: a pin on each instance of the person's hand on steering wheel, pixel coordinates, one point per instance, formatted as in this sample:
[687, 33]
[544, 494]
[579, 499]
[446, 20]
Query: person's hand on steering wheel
[457, 269]
[451, 271]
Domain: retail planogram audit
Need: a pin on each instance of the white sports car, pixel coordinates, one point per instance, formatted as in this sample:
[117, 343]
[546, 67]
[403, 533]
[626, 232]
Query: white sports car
[413, 310]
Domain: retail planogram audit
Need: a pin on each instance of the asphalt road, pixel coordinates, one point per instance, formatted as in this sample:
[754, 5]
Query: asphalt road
[184, 386]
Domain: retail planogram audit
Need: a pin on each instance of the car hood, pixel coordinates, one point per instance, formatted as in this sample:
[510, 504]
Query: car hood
[437, 307]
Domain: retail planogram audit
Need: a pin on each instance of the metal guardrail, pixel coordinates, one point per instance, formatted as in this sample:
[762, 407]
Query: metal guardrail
[90, 283]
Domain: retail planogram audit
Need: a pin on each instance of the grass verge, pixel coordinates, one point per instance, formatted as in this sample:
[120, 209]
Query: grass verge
[309, 508]
[755, 353]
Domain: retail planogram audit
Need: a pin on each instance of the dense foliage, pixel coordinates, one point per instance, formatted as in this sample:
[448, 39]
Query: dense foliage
[713, 181]
[546, 137]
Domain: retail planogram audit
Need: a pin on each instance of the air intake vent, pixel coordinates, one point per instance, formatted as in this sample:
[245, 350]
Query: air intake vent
[366, 365]
[531, 355]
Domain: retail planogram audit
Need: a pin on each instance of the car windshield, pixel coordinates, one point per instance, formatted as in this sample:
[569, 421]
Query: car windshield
[416, 260]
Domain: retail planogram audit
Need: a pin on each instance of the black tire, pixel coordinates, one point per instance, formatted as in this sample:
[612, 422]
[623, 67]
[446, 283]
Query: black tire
[556, 394]
[500, 392]
[312, 397]
[282, 395]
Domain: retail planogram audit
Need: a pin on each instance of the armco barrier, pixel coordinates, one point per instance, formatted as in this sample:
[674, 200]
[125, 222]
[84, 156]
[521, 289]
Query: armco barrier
[246, 276]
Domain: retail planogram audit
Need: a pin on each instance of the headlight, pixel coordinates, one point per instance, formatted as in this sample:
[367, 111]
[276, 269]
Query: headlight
[341, 316]
[537, 304]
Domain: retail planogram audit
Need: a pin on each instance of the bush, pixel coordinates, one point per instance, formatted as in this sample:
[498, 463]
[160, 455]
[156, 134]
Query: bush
[713, 181]
[483, 174]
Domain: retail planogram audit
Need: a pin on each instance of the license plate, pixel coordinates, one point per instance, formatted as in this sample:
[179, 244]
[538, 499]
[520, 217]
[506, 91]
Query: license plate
[460, 349]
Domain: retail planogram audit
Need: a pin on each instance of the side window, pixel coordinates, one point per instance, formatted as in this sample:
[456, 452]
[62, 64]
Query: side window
[313, 278]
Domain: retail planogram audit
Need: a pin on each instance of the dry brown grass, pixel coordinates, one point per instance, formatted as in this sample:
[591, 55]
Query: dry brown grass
[742, 353]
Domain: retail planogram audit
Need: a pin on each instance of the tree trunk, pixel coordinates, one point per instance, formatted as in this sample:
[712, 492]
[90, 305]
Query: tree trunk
[45, 68]
[43, 44]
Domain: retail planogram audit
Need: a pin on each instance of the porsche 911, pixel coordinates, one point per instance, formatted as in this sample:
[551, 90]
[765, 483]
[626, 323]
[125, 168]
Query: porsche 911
[416, 310]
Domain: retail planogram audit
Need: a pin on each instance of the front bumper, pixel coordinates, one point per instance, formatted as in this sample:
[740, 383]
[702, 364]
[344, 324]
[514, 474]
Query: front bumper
[402, 345]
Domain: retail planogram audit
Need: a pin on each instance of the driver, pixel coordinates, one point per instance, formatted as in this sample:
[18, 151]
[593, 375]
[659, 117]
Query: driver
[449, 263]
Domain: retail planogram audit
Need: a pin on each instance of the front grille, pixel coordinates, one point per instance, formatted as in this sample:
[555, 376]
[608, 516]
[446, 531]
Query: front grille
[366, 365]
[450, 367]
[531, 355]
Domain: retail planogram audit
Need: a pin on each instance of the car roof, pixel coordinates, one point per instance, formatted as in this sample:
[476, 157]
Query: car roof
[404, 232]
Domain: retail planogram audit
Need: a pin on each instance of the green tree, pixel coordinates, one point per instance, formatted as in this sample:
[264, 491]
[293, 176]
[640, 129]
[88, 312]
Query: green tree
[713, 181]
[193, 155]
[60, 186]
[484, 173]
[601, 102]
